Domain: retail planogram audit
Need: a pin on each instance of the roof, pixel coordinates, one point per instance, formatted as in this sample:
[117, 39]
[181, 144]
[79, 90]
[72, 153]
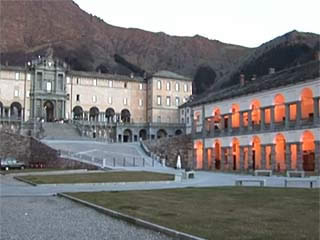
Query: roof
[106, 76]
[302, 73]
[12, 68]
[171, 75]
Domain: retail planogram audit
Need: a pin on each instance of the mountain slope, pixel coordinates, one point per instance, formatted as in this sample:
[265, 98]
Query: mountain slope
[86, 42]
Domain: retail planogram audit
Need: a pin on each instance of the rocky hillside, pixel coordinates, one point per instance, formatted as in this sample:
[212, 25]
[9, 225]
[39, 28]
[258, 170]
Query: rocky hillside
[87, 43]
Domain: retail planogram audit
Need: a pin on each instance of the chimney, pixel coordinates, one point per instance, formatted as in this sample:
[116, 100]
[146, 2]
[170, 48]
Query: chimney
[272, 70]
[254, 77]
[242, 80]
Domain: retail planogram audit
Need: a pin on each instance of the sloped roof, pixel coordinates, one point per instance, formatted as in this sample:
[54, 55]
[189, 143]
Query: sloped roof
[106, 76]
[306, 72]
[171, 75]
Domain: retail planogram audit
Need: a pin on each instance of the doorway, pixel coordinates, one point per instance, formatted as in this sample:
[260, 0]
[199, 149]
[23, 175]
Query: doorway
[49, 111]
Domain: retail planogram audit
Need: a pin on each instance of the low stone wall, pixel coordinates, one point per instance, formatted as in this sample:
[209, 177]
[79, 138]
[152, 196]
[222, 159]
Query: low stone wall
[169, 147]
[33, 152]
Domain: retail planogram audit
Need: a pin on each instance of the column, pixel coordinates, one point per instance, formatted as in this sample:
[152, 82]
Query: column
[194, 162]
[317, 157]
[9, 113]
[263, 157]
[299, 157]
[287, 110]
[230, 123]
[222, 161]
[250, 158]
[271, 117]
[249, 120]
[241, 158]
[273, 157]
[213, 158]
[241, 120]
[316, 110]
[205, 158]
[288, 156]
[262, 117]
[1, 112]
[298, 115]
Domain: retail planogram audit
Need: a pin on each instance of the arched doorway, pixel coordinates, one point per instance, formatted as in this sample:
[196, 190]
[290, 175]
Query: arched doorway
[110, 115]
[306, 103]
[77, 113]
[143, 134]
[279, 108]
[280, 149]
[178, 132]
[15, 110]
[127, 135]
[49, 111]
[198, 148]
[235, 154]
[217, 154]
[256, 153]
[235, 116]
[125, 116]
[94, 114]
[161, 134]
[255, 112]
[308, 151]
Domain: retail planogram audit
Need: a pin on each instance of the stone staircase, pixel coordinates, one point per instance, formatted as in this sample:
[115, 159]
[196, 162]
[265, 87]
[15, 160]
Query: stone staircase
[60, 131]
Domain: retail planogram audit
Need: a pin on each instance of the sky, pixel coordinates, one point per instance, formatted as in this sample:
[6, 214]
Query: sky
[248, 23]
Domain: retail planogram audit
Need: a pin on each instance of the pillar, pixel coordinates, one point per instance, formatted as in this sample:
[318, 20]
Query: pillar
[241, 120]
[287, 112]
[9, 113]
[263, 157]
[288, 156]
[298, 117]
[262, 117]
[205, 164]
[273, 157]
[230, 123]
[249, 120]
[250, 157]
[316, 110]
[213, 158]
[223, 159]
[317, 157]
[271, 117]
[299, 157]
[241, 159]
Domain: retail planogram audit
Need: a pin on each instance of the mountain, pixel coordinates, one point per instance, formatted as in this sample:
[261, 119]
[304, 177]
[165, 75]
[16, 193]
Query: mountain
[87, 43]
[291, 49]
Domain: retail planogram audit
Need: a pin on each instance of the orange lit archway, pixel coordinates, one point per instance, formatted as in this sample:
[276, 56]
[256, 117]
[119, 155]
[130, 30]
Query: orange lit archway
[235, 154]
[199, 154]
[308, 148]
[255, 112]
[217, 154]
[235, 115]
[216, 118]
[256, 153]
[306, 103]
[279, 108]
[280, 148]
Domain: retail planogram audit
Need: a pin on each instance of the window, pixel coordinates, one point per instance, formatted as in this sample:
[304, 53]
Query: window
[182, 111]
[16, 93]
[140, 86]
[78, 81]
[177, 87]
[125, 101]
[17, 76]
[125, 85]
[140, 102]
[94, 82]
[94, 99]
[78, 97]
[28, 76]
[168, 86]
[159, 100]
[177, 101]
[159, 119]
[188, 120]
[110, 83]
[182, 120]
[49, 87]
[185, 87]
[168, 101]
[110, 100]
[187, 110]
[159, 84]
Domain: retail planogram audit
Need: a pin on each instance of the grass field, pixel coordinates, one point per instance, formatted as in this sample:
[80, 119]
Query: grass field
[104, 177]
[224, 212]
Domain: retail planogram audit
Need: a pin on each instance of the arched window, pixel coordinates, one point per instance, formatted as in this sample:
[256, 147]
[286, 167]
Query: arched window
[279, 108]
[306, 103]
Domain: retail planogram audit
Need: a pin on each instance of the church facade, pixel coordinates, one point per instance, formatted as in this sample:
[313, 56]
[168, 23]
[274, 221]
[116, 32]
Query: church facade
[115, 107]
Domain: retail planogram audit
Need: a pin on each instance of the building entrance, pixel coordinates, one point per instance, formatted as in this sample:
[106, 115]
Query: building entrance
[49, 111]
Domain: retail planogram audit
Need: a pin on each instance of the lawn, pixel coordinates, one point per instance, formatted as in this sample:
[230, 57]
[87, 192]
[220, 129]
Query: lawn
[29, 170]
[105, 177]
[222, 213]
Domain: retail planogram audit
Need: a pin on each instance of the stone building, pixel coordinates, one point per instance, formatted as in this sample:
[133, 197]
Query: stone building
[270, 122]
[109, 106]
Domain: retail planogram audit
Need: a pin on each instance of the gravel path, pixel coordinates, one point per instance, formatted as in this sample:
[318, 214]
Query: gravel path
[43, 218]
